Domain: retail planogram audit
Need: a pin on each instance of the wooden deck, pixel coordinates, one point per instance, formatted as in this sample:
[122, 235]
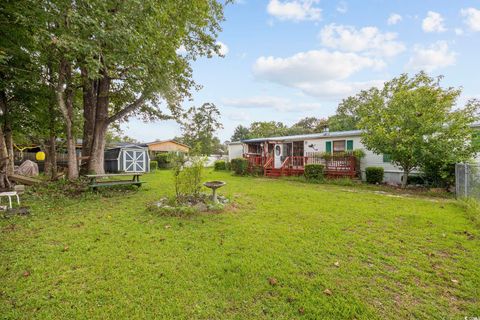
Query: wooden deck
[335, 167]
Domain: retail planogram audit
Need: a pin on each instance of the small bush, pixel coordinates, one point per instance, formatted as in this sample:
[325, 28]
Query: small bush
[228, 166]
[374, 174]
[153, 165]
[220, 165]
[239, 166]
[416, 180]
[164, 160]
[314, 171]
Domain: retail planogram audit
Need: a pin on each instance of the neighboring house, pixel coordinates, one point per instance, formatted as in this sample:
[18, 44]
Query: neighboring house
[127, 157]
[167, 146]
[279, 154]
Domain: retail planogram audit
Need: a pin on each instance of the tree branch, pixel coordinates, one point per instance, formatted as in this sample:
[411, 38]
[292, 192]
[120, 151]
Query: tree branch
[125, 111]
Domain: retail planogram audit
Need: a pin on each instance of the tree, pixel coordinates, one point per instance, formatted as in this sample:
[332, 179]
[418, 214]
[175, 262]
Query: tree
[346, 116]
[414, 121]
[311, 124]
[199, 127]
[240, 133]
[261, 129]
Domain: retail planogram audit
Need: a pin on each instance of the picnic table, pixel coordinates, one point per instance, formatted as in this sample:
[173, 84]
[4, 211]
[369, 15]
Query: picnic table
[104, 180]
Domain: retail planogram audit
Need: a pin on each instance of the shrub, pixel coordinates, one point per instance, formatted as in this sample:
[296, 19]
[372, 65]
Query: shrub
[164, 160]
[220, 165]
[153, 165]
[187, 175]
[374, 174]
[314, 171]
[416, 180]
[358, 153]
[239, 166]
[228, 166]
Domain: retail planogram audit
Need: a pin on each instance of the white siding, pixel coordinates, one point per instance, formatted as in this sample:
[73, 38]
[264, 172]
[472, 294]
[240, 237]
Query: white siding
[235, 150]
[393, 174]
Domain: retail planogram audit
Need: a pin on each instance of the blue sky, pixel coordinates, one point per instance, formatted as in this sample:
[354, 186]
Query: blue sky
[287, 59]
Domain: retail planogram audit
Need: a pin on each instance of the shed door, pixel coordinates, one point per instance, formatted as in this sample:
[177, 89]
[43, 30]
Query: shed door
[134, 161]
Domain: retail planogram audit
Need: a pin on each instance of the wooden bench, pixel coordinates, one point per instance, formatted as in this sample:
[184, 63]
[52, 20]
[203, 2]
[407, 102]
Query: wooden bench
[95, 183]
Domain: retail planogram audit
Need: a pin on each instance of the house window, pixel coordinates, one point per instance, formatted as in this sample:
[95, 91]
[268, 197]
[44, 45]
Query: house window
[338, 146]
[386, 157]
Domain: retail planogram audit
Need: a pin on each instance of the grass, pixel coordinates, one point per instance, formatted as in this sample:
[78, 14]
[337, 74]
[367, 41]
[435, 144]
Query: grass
[271, 256]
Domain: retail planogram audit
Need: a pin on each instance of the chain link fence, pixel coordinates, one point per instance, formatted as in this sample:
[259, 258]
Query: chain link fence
[467, 180]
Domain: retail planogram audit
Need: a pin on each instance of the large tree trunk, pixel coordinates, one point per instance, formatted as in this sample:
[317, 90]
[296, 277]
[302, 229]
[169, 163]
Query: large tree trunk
[7, 134]
[96, 161]
[4, 182]
[9, 144]
[64, 95]
[89, 112]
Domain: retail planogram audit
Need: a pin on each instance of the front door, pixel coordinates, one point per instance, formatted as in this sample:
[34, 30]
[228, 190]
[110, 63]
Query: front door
[277, 156]
[134, 161]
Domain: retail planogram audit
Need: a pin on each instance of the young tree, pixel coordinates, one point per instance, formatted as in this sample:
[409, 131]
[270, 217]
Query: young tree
[413, 119]
[240, 133]
[346, 116]
[199, 129]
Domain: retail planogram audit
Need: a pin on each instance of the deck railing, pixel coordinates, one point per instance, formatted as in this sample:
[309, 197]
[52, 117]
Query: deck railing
[335, 166]
[254, 160]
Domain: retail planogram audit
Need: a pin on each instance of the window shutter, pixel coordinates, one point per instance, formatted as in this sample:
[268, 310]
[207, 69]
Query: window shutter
[386, 157]
[349, 145]
[328, 146]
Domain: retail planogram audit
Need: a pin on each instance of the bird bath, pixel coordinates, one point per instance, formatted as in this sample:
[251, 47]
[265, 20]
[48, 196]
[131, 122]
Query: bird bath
[214, 185]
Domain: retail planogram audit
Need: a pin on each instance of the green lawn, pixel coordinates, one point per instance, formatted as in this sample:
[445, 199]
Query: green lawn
[271, 256]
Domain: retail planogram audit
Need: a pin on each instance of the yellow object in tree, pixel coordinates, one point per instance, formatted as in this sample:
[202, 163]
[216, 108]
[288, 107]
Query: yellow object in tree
[40, 156]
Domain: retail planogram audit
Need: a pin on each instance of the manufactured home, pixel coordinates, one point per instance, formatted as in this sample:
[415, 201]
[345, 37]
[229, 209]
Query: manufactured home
[287, 155]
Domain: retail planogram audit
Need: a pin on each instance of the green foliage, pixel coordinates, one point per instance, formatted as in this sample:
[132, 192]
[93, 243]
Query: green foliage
[164, 159]
[358, 153]
[199, 127]
[347, 116]
[240, 133]
[416, 122]
[153, 165]
[374, 175]
[314, 171]
[187, 175]
[220, 165]
[239, 166]
[261, 129]
[172, 210]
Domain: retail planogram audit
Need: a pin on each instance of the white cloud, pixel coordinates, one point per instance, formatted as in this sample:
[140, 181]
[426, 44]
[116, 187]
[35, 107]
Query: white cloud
[433, 22]
[333, 88]
[269, 102]
[223, 48]
[342, 7]
[458, 31]
[295, 10]
[472, 18]
[432, 57]
[394, 19]
[316, 72]
[367, 39]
